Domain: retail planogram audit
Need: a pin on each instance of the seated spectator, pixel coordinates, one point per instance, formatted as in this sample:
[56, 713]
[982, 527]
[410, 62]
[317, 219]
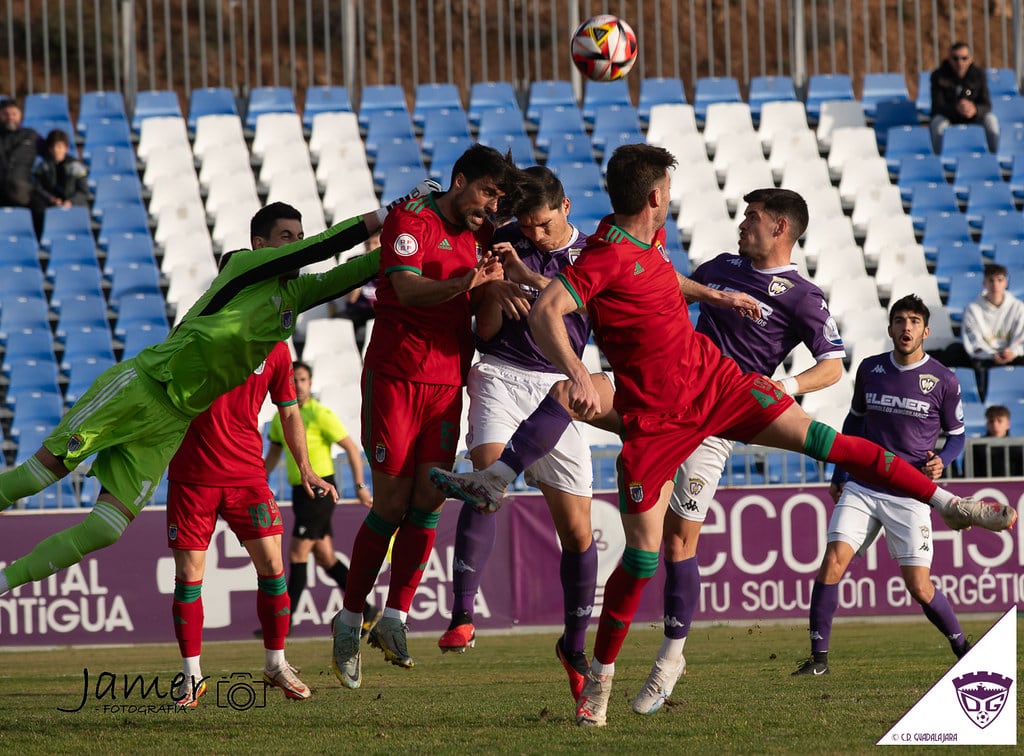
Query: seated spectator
[960, 95]
[997, 460]
[992, 331]
[17, 154]
[59, 179]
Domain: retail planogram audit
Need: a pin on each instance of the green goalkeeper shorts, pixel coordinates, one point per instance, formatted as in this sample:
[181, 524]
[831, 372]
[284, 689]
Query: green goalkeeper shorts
[127, 421]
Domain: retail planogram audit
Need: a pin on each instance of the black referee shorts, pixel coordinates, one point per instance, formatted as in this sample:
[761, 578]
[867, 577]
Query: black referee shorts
[312, 515]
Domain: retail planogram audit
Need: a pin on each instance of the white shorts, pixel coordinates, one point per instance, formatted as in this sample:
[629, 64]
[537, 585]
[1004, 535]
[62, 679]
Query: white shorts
[697, 479]
[861, 513]
[501, 396]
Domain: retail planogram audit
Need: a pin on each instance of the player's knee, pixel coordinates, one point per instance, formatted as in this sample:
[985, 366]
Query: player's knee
[97, 532]
[560, 393]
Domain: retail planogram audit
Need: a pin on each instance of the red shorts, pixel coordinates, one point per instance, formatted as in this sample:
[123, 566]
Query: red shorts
[406, 424]
[192, 510]
[735, 405]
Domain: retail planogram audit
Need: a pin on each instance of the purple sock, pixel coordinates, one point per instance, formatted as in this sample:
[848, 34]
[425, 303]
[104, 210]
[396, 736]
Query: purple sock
[824, 602]
[682, 592]
[536, 435]
[941, 614]
[474, 541]
[579, 585]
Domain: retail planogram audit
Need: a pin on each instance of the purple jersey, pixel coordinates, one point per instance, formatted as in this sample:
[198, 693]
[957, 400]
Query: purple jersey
[793, 311]
[905, 407]
[514, 343]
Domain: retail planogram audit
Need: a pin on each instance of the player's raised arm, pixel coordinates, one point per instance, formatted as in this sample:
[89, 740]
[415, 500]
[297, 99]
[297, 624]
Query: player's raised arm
[744, 304]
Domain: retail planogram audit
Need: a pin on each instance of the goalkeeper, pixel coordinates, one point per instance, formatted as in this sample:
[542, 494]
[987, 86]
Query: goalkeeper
[135, 414]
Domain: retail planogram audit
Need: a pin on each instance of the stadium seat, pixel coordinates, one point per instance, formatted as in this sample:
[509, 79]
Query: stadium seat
[325, 99]
[1011, 144]
[882, 87]
[998, 227]
[659, 91]
[210, 101]
[29, 438]
[395, 154]
[931, 198]
[495, 123]
[1009, 109]
[861, 172]
[384, 126]
[1009, 253]
[79, 310]
[962, 139]
[126, 248]
[839, 265]
[268, 100]
[725, 118]
[919, 169]
[81, 375]
[519, 144]
[35, 405]
[133, 278]
[613, 121]
[215, 132]
[985, 197]
[742, 146]
[968, 385]
[445, 153]
[380, 97]
[154, 103]
[890, 114]
[942, 228]
[850, 144]
[138, 336]
[16, 222]
[97, 105]
[434, 96]
[82, 342]
[899, 263]
[904, 142]
[822, 88]
[954, 258]
[764, 89]
[18, 250]
[142, 307]
[442, 123]
[46, 111]
[835, 114]
[27, 344]
[923, 101]
[31, 374]
[161, 133]
[275, 131]
[616, 140]
[114, 191]
[668, 120]
[64, 221]
[975, 167]
[1016, 179]
[1005, 387]
[874, 199]
[122, 219]
[398, 181]
[579, 177]
[334, 130]
[555, 122]
[21, 280]
[888, 230]
[599, 95]
[488, 95]
[963, 289]
[111, 161]
[714, 89]
[1002, 82]
[77, 278]
[781, 118]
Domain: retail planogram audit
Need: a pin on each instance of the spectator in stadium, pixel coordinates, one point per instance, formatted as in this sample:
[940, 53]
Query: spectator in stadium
[218, 470]
[997, 460]
[58, 179]
[358, 305]
[135, 415]
[504, 387]
[18, 147]
[929, 398]
[960, 95]
[413, 373]
[992, 332]
[311, 531]
[668, 400]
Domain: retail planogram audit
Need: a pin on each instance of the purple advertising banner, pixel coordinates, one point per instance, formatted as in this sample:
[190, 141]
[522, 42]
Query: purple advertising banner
[759, 551]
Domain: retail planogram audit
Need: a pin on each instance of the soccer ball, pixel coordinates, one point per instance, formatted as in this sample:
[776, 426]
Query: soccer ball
[604, 48]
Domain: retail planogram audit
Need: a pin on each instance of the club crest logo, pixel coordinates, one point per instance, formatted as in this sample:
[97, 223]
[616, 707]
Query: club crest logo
[379, 453]
[288, 319]
[172, 532]
[982, 695]
[927, 383]
[779, 286]
[406, 245]
[696, 485]
[831, 332]
[74, 443]
[663, 251]
[636, 492]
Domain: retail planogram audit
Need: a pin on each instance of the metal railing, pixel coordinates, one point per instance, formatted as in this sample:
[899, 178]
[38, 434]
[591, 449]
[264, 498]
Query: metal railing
[72, 46]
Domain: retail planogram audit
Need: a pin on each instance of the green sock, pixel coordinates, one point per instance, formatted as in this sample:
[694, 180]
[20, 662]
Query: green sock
[30, 477]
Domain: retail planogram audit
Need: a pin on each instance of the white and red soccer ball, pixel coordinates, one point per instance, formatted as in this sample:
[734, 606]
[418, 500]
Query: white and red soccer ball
[604, 48]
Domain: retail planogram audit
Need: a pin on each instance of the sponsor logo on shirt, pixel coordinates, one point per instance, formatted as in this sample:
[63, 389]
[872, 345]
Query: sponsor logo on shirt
[896, 402]
[927, 383]
[406, 245]
[831, 332]
[445, 245]
[779, 286]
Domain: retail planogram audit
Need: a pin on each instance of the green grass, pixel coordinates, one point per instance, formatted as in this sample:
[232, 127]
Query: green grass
[509, 695]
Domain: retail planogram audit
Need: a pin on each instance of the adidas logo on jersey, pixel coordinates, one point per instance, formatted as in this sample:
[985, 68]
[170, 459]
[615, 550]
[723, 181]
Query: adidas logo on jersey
[638, 269]
[445, 245]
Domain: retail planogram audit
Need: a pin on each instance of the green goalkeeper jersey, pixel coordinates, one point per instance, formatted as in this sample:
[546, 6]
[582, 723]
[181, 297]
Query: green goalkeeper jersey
[250, 306]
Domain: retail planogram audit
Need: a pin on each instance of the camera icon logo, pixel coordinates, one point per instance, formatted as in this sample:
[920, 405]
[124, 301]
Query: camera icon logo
[239, 693]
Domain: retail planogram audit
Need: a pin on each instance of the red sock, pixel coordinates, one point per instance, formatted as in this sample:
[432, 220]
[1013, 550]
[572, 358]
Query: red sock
[187, 612]
[873, 464]
[274, 609]
[621, 598]
[368, 552]
[408, 559]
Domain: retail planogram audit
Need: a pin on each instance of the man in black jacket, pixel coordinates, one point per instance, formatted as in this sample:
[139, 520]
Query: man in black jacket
[960, 95]
[17, 153]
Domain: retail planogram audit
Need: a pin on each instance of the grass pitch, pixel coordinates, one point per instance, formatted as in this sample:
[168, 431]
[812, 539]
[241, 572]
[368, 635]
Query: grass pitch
[508, 695]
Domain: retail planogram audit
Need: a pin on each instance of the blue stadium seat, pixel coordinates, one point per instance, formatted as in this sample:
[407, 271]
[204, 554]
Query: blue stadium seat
[931, 198]
[81, 375]
[127, 247]
[24, 311]
[325, 99]
[881, 87]
[398, 180]
[27, 344]
[906, 141]
[519, 144]
[446, 152]
[268, 100]
[46, 106]
[890, 114]
[21, 280]
[83, 342]
[143, 307]
[154, 103]
[1016, 180]
[106, 132]
[133, 278]
[71, 249]
[32, 405]
[381, 97]
[823, 87]
[210, 101]
[1006, 387]
[614, 141]
[441, 123]
[19, 250]
[430, 97]
[111, 161]
[919, 169]
[138, 336]
[955, 258]
[659, 91]
[496, 123]
[395, 154]
[599, 95]
[31, 373]
[488, 95]
[114, 191]
[71, 280]
[384, 126]
[611, 121]
[968, 385]
[546, 94]
[923, 102]
[986, 197]
[120, 220]
[1001, 82]
[579, 177]
[1009, 253]
[64, 221]
[81, 309]
[96, 105]
[29, 438]
[1011, 144]
[1009, 110]
[768, 89]
[999, 227]
[971, 168]
[60, 495]
[16, 222]
[711, 89]
[588, 208]
[555, 122]
[570, 148]
[942, 228]
[963, 290]
[962, 139]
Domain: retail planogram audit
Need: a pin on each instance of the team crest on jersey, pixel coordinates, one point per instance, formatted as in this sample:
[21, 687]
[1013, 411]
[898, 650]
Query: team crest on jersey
[172, 532]
[779, 286]
[379, 453]
[663, 251]
[696, 485]
[574, 255]
[287, 319]
[74, 443]
[406, 245]
[927, 383]
[831, 332]
[260, 368]
[636, 492]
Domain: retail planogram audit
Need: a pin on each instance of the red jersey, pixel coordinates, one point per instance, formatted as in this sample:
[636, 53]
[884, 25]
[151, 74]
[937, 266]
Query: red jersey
[424, 344]
[224, 444]
[640, 321]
